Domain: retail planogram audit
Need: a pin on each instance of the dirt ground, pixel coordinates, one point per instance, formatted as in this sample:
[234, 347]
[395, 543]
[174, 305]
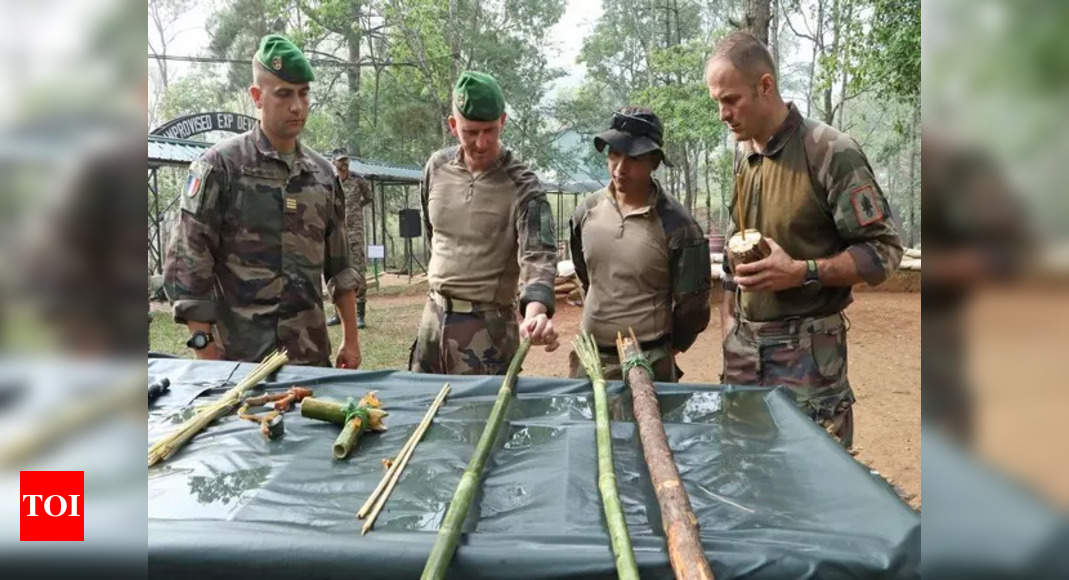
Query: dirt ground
[884, 345]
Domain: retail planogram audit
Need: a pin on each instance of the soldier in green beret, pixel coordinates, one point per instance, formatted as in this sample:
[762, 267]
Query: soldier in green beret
[493, 249]
[262, 223]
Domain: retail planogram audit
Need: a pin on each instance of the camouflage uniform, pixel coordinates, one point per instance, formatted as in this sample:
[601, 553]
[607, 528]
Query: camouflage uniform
[357, 196]
[648, 271]
[491, 234]
[253, 240]
[813, 191]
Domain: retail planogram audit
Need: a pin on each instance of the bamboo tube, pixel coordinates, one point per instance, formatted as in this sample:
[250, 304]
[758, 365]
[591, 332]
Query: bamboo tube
[399, 466]
[413, 439]
[449, 532]
[685, 551]
[626, 568]
[169, 444]
[348, 437]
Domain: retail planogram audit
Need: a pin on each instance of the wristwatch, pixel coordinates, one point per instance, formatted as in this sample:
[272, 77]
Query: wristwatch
[199, 340]
[812, 275]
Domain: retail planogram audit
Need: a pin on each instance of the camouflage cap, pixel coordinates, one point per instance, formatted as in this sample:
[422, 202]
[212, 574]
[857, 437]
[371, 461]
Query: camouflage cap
[339, 153]
[478, 97]
[282, 58]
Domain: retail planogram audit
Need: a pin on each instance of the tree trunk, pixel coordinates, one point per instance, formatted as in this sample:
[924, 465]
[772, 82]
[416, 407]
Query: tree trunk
[352, 75]
[758, 15]
[829, 110]
[913, 137]
[685, 551]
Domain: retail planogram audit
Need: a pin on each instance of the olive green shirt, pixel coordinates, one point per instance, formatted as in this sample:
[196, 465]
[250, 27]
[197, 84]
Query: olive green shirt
[812, 191]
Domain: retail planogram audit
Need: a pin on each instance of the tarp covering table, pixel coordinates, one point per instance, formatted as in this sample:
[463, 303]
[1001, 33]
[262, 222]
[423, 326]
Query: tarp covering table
[775, 497]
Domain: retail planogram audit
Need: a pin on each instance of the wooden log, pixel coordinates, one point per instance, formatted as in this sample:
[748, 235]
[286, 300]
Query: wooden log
[748, 246]
[685, 551]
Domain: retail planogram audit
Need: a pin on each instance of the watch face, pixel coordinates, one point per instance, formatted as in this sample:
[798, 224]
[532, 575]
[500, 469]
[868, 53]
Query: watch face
[198, 341]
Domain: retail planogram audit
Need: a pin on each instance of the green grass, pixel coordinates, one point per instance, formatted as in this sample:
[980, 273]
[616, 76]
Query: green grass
[384, 344]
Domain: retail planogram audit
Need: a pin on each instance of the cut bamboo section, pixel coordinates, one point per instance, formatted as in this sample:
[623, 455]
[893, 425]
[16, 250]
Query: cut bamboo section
[171, 443]
[626, 568]
[748, 246]
[449, 532]
[685, 551]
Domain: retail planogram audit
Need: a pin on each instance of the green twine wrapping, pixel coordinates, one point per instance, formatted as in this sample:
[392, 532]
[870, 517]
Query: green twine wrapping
[636, 361]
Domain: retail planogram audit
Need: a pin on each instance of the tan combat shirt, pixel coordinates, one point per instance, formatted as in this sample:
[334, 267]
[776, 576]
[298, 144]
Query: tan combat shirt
[489, 231]
[647, 270]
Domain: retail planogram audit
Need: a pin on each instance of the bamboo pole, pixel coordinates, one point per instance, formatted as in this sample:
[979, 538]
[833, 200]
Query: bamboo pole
[449, 532]
[413, 439]
[171, 443]
[401, 462]
[626, 568]
[685, 550]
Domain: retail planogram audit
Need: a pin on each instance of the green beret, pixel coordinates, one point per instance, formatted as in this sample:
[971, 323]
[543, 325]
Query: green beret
[283, 59]
[478, 97]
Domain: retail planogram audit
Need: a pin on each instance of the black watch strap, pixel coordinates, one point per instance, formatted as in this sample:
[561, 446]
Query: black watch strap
[199, 340]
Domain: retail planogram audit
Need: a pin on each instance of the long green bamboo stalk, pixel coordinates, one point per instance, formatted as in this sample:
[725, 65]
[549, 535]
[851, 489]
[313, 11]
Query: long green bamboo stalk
[172, 442]
[626, 568]
[449, 532]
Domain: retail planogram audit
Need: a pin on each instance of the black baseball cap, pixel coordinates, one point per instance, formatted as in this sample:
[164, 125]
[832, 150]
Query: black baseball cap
[633, 134]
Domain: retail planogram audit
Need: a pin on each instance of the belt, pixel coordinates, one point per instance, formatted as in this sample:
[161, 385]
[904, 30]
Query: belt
[645, 346]
[794, 326]
[461, 306]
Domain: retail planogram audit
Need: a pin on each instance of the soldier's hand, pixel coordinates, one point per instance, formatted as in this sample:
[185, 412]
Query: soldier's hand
[348, 356]
[776, 272]
[540, 329]
[210, 352]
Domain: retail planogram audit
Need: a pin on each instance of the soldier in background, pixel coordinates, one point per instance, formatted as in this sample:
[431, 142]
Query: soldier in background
[810, 190]
[262, 223]
[491, 235]
[357, 196]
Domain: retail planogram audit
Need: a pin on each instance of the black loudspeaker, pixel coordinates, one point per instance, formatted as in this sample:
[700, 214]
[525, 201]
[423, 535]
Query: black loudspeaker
[410, 226]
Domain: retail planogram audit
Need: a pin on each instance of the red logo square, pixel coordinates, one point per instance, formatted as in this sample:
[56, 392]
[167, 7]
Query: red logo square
[51, 506]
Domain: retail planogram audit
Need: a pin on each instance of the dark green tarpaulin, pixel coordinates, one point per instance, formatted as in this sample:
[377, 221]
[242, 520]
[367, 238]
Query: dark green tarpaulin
[775, 497]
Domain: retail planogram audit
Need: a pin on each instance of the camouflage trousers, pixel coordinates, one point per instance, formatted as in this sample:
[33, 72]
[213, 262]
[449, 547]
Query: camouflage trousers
[481, 342]
[807, 355]
[662, 361]
[357, 251]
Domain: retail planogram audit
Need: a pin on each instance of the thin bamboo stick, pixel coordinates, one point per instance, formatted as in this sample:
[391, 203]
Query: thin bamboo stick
[411, 442]
[172, 442]
[626, 568]
[449, 532]
[394, 473]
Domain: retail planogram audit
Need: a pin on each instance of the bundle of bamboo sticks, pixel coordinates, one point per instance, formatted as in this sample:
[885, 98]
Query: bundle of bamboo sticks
[382, 492]
[169, 444]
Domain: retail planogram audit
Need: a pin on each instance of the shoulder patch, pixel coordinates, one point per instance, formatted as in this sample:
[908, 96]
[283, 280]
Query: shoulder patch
[198, 173]
[866, 204]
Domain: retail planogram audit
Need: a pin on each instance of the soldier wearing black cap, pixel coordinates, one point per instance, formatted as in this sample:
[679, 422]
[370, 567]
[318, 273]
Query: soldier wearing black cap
[642, 259]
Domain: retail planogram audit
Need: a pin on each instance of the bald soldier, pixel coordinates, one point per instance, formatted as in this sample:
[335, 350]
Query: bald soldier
[262, 222]
[641, 257]
[493, 249]
[810, 191]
